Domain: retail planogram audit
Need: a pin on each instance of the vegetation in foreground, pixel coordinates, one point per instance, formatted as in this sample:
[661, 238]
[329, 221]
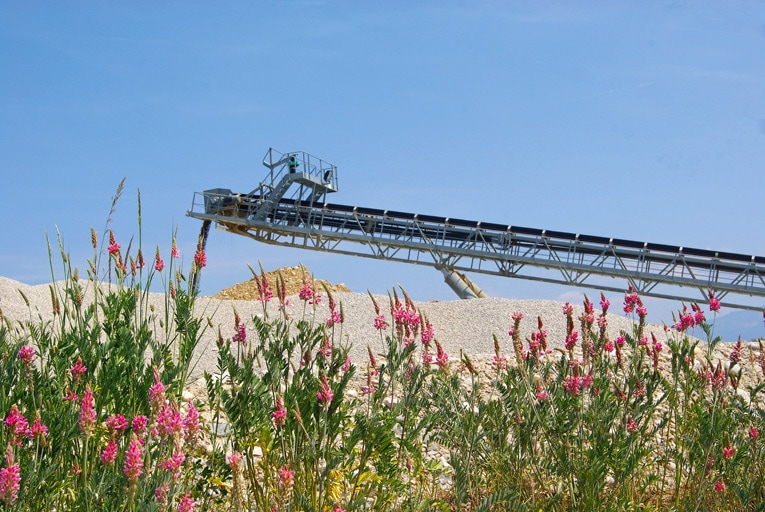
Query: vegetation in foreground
[94, 415]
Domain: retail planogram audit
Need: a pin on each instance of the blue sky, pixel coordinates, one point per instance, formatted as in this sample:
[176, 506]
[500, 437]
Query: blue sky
[637, 120]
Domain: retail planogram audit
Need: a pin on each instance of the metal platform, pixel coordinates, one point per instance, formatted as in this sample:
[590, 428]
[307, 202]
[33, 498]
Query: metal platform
[302, 219]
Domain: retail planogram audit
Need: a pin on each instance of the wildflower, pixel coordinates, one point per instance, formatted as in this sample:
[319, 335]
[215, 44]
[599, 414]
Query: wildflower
[133, 467]
[541, 393]
[573, 384]
[608, 346]
[191, 422]
[157, 392]
[139, 424]
[78, 370]
[174, 253]
[372, 361]
[10, 479]
[87, 413]
[141, 263]
[325, 394]
[109, 453]
[169, 421]
[720, 486]
[631, 300]
[241, 334]
[442, 358]
[380, 323]
[158, 263]
[160, 493]
[186, 503]
[234, 460]
[113, 247]
[116, 424]
[38, 430]
[604, 303]
[200, 258]
[714, 302]
[280, 412]
[286, 477]
[571, 340]
[347, 364]
[174, 463]
[499, 362]
[71, 396]
[728, 452]
[338, 509]
[631, 426]
[620, 341]
[753, 433]
[426, 332]
[18, 425]
[326, 347]
[27, 354]
[93, 238]
[735, 354]
[334, 318]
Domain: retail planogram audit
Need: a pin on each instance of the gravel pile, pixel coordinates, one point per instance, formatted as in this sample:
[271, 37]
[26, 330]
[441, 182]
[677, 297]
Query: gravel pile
[459, 325]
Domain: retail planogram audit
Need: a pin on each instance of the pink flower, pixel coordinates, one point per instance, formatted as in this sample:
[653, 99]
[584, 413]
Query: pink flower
[174, 463]
[427, 334]
[27, 354]
[280, 413]
[609, 346]
[158, 263]
[347, 364]
[234, 460]
[88, 413]
[714, 303]
[720, 486]
[114, 247]
[71, 396]
[109, 453]
[380, 323]
[139, 424]
[191, 422]
[200, 258]
[541, 393]
[604, 303]
[10, 480]
[18, 424]
[753, 433]
[186, 503]
[631, 425]
[38, 430]
[571, 340]
[286, 477]
[78, 370]
[442, 358]
[157, 392]
[169, 421]
[728, 452]
[241, 332]
[325, 394]
[116, 424]
[174, 253]
[620, 341]
[160, 493]
[133, 467]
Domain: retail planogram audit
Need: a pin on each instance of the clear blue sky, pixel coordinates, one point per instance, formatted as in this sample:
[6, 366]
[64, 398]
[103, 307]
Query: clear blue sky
[638, 120]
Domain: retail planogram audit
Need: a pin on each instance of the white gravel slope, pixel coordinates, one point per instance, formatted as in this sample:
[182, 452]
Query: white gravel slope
[465, 325]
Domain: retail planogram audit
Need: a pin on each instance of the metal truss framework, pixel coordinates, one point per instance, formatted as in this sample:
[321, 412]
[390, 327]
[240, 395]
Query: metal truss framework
[487, 248]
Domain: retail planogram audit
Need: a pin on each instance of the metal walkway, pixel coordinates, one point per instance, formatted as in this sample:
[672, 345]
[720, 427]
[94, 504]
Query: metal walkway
[304, 220]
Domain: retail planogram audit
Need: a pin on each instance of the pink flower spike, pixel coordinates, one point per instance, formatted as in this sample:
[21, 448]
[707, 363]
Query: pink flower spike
[158, 263]
[133, 467]
[720, 486]
[280, 413]
[110, 453]
[88, 413]
[714, 303]
[186, 503]
[286, 477]
[10, 480]
[174, 253]
[234, 460]
[78, 370]
[728, 452]
[27, 354]
[325, 394]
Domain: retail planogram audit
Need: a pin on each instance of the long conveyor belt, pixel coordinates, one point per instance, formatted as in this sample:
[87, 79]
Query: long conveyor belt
[460, 245]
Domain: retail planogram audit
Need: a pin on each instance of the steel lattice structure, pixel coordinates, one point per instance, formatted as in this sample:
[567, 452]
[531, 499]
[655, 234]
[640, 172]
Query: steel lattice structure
[304, 220]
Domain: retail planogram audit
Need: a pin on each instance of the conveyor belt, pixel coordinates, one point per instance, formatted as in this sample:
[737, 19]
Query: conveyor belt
[489, 248]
